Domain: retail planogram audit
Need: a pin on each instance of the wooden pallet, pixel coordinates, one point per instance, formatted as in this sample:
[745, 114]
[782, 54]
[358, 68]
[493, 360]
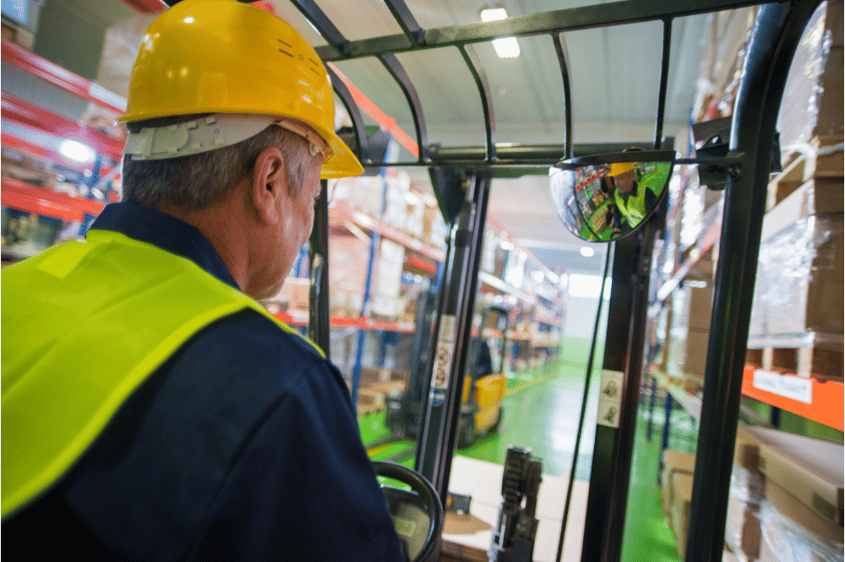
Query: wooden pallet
[819, 362]
[824, 162]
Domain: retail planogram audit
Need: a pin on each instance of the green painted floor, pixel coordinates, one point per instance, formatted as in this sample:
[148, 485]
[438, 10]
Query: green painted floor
[541, 413]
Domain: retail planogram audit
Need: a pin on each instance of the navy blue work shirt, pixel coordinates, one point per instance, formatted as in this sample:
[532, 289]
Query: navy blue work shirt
[244, 445]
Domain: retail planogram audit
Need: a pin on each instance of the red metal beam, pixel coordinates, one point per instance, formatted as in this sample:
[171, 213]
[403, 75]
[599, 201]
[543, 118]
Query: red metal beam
[21, 145]
[146, 6]
[384, 121]
[34, 117]
[60, 77]
[25, 197]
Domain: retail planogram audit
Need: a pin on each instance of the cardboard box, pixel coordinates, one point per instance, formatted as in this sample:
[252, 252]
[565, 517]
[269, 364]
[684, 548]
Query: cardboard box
[295, 294]
[681, 499]
[693, 306]
[794, 533]
[802, 271]
[688, 354]
[812, 101]
[742, 529]
[747, 448]
[674, 461]
[811, 470]
[798, 512]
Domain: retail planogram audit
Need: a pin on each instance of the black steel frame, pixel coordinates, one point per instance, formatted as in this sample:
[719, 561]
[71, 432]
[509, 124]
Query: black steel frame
[777, 31]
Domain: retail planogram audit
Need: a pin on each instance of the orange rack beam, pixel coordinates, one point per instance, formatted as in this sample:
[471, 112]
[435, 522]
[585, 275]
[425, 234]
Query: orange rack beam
[826, 397]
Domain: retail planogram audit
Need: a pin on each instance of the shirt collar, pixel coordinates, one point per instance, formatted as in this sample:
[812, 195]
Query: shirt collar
[166, 232]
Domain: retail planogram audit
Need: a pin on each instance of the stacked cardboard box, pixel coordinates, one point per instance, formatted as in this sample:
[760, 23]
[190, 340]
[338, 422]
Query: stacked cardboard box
[812, 103]
[800, 276]
[677, 479]
[800, 279]
[690, 332]
[742, 529]
[802, 512]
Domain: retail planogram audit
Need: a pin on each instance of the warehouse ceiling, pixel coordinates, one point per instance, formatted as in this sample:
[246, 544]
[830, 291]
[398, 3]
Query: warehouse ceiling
[614, 73]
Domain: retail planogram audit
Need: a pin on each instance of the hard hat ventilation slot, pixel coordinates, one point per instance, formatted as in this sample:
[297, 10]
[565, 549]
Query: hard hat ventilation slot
[289, 47]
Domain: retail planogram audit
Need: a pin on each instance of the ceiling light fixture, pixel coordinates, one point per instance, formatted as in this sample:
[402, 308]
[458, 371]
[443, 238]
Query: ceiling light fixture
[506, 47]
[587, 252]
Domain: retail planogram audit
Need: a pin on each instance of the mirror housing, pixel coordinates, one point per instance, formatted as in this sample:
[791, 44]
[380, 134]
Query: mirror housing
[604, 197]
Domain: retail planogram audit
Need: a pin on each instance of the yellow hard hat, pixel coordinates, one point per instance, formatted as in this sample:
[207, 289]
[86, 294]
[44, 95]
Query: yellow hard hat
[223, 56]
[620, 168]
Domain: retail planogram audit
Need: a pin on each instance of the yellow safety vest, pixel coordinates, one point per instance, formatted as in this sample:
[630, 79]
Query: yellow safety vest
[634, 207]
[84, 324]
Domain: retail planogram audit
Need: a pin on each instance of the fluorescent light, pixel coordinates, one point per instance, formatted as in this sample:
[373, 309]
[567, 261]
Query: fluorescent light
[493, 14]
[76, 151]
[506, 48]
[587, 252]
[538, 276]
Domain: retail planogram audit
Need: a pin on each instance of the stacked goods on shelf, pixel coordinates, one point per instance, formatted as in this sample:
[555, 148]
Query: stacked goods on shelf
[801, 514]
[391, 199]
[386, 302]
[786, 497]
[724, 48]
[377, 384]
[742, 529]
[677, 479]
[797, 320]
[292, 298]
[674, 461]
[347, 272]
[18, 34]
[686, 351]
[812, 106]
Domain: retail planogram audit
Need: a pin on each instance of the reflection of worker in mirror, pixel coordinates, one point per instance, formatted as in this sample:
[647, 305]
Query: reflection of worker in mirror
[159, 412]
[633, 201]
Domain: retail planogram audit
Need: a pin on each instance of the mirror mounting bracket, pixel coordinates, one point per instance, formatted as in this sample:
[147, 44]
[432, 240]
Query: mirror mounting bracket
[715, 166]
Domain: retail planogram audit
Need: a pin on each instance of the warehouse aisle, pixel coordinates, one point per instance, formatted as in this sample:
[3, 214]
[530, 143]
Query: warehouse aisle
[541, 412]
[647, 537]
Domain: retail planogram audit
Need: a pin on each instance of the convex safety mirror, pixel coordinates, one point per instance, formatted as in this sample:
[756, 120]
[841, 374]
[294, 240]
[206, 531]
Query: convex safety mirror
[607, 196]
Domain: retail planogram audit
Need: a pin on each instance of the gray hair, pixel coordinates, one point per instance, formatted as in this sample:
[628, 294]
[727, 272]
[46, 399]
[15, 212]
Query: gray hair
[194, 183]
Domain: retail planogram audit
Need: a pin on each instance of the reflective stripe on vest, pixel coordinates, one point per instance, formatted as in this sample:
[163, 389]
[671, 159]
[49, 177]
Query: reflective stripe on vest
[84, 324]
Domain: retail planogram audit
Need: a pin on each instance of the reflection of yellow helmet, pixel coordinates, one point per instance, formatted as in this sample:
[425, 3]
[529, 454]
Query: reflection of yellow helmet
[620, 168]
[222, 56]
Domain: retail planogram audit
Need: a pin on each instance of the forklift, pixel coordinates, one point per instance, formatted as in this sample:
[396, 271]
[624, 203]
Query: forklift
[484, 384]
[483, 387]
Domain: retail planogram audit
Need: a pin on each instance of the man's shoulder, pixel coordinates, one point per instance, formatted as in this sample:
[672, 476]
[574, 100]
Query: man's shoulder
[256, 332]
[249, 342]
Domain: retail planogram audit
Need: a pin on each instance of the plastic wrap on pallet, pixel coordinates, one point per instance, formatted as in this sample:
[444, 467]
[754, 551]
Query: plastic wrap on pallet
[800, 278]
[724, 42]
[742, 531]
[812, 103]
[787, 541]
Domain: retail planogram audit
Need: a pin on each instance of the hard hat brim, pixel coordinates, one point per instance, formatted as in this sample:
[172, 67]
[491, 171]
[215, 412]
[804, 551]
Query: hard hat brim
[342, 163]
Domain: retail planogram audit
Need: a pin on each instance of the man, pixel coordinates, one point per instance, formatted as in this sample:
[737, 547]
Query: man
[632, 203]
[151, 409]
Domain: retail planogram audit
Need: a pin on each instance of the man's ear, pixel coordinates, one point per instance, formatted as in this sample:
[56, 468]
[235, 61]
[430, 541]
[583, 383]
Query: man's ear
[269, 183]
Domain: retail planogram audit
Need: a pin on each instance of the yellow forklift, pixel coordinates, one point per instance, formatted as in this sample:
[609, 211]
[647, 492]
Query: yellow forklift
[484, 385]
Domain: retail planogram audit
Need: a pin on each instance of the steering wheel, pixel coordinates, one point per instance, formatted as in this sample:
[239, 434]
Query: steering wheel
[417, 515]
